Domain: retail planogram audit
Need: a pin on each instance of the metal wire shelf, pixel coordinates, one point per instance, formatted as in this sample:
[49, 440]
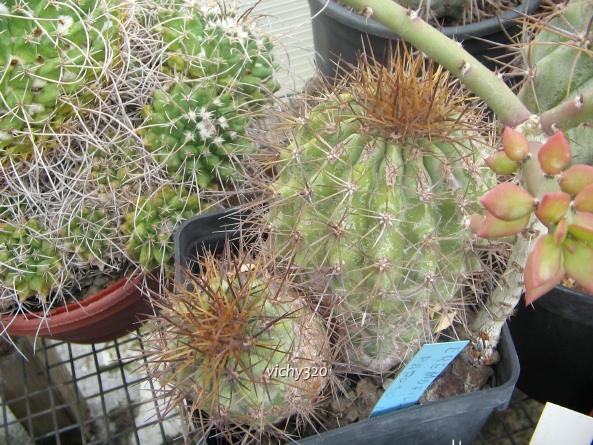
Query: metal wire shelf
[98, 395]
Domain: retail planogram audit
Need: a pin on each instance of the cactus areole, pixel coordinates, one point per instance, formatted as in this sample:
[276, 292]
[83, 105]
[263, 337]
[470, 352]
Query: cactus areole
[376, 190]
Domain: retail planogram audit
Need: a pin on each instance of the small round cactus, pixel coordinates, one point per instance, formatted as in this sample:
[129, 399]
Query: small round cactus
[221, 71]
[239, 343]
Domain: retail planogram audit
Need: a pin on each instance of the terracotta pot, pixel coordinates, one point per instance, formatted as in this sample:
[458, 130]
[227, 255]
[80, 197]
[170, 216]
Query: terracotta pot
[104, 316]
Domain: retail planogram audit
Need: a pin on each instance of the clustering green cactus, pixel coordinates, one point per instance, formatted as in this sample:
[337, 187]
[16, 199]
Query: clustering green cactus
[375, 193]
[221, 71]
[30, 263]
[240, 344]
[54, 57]
[117, 121]
[152, 222]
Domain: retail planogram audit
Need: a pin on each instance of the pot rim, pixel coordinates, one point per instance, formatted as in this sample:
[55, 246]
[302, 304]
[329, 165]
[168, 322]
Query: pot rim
[479, 29]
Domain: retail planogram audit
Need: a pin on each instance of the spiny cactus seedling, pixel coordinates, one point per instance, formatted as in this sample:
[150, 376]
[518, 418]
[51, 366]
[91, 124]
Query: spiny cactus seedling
[374, 194]
[149, 227]
[240, 345]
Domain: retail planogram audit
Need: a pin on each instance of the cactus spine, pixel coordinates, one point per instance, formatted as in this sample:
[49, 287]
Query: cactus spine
[239, 342]
[374, 193]
[105, 113]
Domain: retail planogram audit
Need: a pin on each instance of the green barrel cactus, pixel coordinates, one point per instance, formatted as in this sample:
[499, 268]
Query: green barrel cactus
[374, 196]
[221, 71]
[240, 345]
[54, 56]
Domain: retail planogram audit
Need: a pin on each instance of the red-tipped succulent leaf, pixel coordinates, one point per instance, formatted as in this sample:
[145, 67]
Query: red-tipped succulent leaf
[497, 228]
[544, 268]
[582, 226]
[583, 201]
[575, 178]
[508, 202]
[500, 163]
[553, 207]
[555, 154]
[578, 263]
[515, 144]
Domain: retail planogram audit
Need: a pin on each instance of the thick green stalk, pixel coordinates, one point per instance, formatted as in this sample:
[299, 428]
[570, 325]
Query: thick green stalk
[448, 53]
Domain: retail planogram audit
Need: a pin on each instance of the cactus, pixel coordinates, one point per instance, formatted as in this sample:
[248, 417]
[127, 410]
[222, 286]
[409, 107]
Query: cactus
[221, 71]
[537, 129]
[559, 65]
[375, 191]
[30, 262]
[54, 58]
[97, 128]
[150, 225]
[240, 344]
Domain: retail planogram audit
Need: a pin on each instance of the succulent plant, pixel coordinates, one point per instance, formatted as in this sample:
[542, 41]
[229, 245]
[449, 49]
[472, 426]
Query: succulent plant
[239, 343]
[374, 193]
[543, 139]
[221, 71]
[97, 128]
[151, 223]
[55, 58]
[566, 212]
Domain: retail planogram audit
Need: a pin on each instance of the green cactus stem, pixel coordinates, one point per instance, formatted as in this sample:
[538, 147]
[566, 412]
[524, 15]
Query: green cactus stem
[374, 194]
[239, 343]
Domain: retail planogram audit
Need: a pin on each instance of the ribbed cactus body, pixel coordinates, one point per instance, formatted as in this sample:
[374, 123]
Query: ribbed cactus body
[30, 263]
[561, 66]
[221, 72]
[53, 57]
[150, 226]
[241, 345]
[382, 218]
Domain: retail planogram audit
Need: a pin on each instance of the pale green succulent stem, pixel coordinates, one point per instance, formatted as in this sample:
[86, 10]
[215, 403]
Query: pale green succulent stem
[448, 53]
[569, 114]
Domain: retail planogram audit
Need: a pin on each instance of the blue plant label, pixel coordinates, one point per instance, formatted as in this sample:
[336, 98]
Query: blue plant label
[418, 374]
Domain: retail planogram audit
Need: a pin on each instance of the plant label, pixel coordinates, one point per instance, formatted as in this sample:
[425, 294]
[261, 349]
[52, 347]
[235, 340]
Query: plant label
[413, 380]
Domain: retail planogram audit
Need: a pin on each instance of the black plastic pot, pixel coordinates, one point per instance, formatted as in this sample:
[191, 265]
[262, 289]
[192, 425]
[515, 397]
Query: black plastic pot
[339, 34]
[554, 341]
[453, 420]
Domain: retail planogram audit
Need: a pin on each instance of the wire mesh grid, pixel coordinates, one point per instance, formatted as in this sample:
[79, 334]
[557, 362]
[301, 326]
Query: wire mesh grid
[82, 394]
[69, 394]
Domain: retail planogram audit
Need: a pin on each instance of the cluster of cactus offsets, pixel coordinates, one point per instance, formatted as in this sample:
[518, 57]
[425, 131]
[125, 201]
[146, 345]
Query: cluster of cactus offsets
[375, 192]
[221, 72]
[30, 264]
[567, 213]
[238, 342]
[560, 65]
[149, 227]
[54, 56]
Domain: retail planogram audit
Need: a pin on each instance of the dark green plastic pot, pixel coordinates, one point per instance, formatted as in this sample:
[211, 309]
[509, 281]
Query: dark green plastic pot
[453, 420]
[339, 34]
